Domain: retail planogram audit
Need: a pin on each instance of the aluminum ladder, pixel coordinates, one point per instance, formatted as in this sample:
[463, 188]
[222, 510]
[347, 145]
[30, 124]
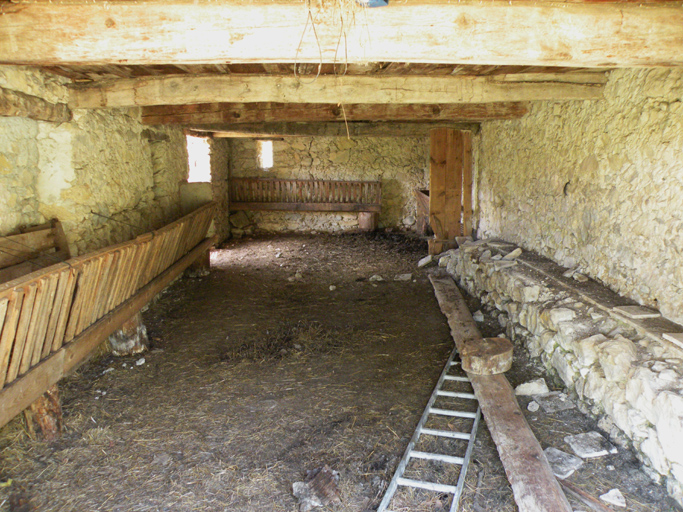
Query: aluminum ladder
[410, 453]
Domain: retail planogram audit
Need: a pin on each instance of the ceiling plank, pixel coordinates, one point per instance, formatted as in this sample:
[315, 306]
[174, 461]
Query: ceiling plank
[575, 34]
[335, 129]
[179, 90]
[234, 113]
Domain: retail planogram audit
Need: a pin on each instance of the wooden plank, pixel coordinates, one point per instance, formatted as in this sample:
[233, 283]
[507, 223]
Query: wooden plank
[24, 391]
[306, 207]
[178, 90]
[453, 187]
[19, 104]
[57, 306]
[533, 483]
[22, 330]
[438, 154]
[467, 167]
[9, 330]
[3, 312]
[18, 248]
[181, 32]
[42, 321]
[65, 311]
[241, 113]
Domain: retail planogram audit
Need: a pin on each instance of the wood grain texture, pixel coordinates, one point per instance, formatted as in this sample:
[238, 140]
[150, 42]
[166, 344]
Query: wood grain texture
[18, 104]
[178, 90]
[533, 483]
[241, 113]
[489, 33]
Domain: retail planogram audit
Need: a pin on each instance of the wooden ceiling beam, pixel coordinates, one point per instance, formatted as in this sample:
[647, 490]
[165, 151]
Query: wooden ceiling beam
[179, 90]
[334, 129]
[237, 113]
[496, 32]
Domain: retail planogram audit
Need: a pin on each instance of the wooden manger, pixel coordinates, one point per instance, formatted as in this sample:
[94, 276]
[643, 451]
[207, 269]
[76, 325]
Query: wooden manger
[259, 194]
[52, 319]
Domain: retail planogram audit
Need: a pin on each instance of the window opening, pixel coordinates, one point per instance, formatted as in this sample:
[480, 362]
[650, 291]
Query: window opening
[199, 159]
[264, 154]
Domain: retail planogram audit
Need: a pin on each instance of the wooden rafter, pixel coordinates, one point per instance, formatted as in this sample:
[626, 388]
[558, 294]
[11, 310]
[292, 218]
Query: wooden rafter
[178, 90]
[238, 113]
[575, 34]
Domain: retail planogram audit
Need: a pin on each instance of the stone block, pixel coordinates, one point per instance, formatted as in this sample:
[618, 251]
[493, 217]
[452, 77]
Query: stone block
[569, 332]
[551, 317]
[669, 426]
[616, 358]
[590, 445]
[554, 402]
[586, 350]
[562, 362]
[652, 449]
[562, 463]
[533, 387]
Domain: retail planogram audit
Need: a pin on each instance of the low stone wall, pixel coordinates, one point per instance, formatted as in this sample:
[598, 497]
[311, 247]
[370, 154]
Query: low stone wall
[400, 163]
[620, 370]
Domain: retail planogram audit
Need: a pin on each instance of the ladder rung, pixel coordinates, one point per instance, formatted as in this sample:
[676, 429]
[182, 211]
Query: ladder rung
[456, 378]
[446, 433]
[450, 459]
[455, 363]
[454, 414]
[456, 394]
[429, 486]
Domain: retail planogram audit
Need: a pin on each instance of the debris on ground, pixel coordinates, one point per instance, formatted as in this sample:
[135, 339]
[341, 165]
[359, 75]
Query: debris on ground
[376, 277]
[554, 402]
[533, 387]
[590, 445]
[533, 406]
[562, 463]
[319, 489]
[332, 287]
[478, 316]
[425, 261]
[514, 254]
[403, 277]
[614, 497]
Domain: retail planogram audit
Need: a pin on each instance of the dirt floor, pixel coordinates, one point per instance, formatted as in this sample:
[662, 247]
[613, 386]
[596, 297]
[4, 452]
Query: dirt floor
[286, 358]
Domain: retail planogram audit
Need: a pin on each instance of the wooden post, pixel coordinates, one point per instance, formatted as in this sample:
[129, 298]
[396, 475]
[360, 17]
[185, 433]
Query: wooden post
[367, 221]
[45, 415]
[450, 186]
[201, 267]
[131, 338]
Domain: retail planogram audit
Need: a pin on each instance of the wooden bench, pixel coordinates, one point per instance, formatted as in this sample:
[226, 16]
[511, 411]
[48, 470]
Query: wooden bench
[32, 249]
[259, 194]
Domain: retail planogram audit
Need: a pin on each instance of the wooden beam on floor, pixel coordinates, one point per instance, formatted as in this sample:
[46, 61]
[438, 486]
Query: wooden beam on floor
[180, 90]
[336, 129]
[19, 104]
[534, 486]
[238, 113]
[24, 391]
[575, 34]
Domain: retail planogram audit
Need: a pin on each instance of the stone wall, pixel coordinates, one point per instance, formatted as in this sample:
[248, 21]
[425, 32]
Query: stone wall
[596, 184]
[621, 371]
[104, 175]
[400, 163]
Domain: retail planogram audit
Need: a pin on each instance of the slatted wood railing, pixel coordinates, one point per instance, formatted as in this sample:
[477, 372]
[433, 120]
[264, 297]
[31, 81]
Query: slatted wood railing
[50, 320]
[305, 195]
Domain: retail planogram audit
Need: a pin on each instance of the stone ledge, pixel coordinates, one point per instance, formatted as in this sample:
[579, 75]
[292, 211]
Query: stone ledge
[621, 369]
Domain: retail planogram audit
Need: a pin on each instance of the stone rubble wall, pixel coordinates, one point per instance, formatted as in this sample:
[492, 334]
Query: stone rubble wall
[596, 184]
[632, 383]
[402, 164]
[103, 161]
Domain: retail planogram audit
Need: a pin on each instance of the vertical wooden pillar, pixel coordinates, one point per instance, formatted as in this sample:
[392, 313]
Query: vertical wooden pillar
[45, 415]
[450, 186]
[131, 338]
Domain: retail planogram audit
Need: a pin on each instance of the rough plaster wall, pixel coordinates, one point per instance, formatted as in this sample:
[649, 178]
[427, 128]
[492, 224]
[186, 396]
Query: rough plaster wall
[400, 163]
[220, 156]
[103, 161]
[596, 184]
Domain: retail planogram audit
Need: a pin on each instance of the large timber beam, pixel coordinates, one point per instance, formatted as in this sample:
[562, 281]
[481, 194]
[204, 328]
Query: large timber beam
[15, 103]
[334, 129]
[234, 113]
[579, 34]
[178, 90]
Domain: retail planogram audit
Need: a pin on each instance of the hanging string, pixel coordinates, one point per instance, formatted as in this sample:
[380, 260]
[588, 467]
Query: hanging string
[297, 75]
[122, 222]
[33, 250]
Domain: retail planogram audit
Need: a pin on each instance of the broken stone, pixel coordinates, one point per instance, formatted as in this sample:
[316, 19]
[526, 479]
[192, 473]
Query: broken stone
[478, 316]
[580, 277]
[376, 277]
[562, 463]
[500, 265]
[533, 387]
[569, 273]
[140, 361]
[589, 445]
[674, 337]
[425, 261]
[332, 287]
[514, 254]
[496, 257]
[554, 401]
[637, 312]
[240, 220]
[462, 239]
[443, 260]
[614, 497]
[533, 406]
[403, 277]
[319, 489]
